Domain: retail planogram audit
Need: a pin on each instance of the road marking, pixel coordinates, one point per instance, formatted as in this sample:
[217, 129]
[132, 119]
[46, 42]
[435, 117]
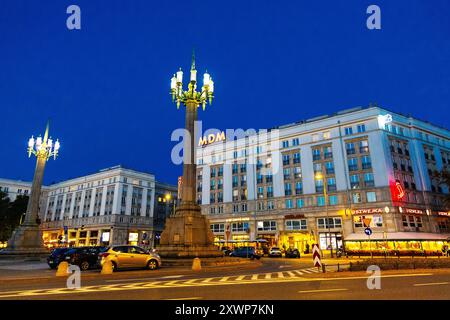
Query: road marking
[300, 273]
[254, 277]
[190, 281]
[162, 285]
[207, 280]
[280, 275]
[268, 276]
[291, 273]
[430, 284]
[239, 278]
[189, 298]
[323, 290]
[173, 277]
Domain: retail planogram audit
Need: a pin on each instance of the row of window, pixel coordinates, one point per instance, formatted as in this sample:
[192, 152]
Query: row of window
[271, 225]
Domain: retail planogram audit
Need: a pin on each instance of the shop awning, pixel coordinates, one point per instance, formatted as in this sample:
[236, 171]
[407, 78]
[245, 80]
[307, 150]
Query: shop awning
[398, 236]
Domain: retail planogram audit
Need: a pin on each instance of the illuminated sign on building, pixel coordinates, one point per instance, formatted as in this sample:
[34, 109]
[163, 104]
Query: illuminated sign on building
[409, 210]
[237, 219]
[211, 138]
[105, 236]
[368, 211]
[397, 191]
[133, 236]
[443, 213]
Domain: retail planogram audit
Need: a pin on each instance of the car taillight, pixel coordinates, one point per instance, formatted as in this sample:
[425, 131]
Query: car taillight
[104, 254]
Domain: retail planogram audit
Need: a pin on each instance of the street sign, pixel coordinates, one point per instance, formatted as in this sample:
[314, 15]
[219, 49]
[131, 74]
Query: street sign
[316, 255]
[368, 231]
[367, 222]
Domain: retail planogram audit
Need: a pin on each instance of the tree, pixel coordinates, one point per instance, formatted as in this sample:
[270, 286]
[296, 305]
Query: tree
[11, 214]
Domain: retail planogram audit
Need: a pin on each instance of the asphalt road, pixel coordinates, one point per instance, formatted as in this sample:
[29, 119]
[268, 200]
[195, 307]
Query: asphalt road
[274, 279]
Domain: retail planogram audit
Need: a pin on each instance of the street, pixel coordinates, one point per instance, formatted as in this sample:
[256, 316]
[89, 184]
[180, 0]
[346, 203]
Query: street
[271, 279]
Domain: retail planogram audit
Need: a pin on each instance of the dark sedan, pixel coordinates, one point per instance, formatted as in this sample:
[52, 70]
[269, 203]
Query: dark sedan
[246, 252]
[292, 253]
[84, 257]
[56, 257]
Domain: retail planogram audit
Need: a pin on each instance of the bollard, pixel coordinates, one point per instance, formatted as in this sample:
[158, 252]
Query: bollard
[196, 264]
[62, 269]
[107, 267]
[323, 268]
[338, 267]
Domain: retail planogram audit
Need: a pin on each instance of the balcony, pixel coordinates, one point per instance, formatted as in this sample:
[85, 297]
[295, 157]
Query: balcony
[296, 160]
[353, 167]
[316, 157]
[351, 151]
[319, 189]
[107, 221]
[332, 187]
[330, 170]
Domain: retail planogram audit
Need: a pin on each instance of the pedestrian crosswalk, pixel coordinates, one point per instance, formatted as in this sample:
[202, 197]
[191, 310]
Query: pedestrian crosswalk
[291, 275]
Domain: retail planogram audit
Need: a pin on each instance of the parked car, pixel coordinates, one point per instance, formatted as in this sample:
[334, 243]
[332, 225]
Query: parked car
[292, 253]
[56, 256]
[130, 257]
[226, 251]
[84, 257]
[275, 252]
[246, 252]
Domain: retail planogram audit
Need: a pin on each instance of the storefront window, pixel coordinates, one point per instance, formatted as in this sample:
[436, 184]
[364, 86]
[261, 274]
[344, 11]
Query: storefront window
[239, 226]
[267, 225]
[217, 227]
[296, 224]
[376, 221]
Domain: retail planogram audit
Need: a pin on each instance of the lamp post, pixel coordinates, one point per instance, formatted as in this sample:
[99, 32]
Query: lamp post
[187, 232]
[319, 176]
[27, 238]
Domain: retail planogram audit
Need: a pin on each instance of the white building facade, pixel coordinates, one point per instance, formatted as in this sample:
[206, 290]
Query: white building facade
[113, 206]
[377, 167]
[15, 188]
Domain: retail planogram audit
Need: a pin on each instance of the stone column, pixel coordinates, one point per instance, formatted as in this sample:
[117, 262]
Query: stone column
[27, 238]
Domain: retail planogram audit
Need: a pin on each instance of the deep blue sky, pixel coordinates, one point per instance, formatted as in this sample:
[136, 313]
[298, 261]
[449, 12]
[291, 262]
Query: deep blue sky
[106, 86]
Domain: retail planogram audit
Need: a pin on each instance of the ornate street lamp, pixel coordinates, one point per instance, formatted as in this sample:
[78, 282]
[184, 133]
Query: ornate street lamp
[187, 233]
[27, 238]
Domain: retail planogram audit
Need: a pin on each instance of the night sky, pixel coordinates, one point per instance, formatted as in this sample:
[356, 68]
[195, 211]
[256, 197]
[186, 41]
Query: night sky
[106, 87]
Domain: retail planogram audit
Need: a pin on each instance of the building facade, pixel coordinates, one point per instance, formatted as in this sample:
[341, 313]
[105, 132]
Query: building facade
[376, 168]
[15, 188]
[114, 206]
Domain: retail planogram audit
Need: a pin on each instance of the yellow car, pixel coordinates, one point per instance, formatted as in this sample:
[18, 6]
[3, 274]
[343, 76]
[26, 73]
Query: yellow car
[130, 257]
